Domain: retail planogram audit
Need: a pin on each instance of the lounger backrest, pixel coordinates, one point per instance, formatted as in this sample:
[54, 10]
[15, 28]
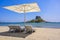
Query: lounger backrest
[15, 27]
[28, 28]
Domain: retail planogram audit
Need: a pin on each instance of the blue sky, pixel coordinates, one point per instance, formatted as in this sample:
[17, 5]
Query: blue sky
[50, 10]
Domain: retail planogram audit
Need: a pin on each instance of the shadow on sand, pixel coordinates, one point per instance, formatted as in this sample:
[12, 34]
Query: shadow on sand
[19, 34]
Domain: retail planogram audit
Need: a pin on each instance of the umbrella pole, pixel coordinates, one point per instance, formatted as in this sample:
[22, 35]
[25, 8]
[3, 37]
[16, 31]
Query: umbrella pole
[24, 19]
[24, 16]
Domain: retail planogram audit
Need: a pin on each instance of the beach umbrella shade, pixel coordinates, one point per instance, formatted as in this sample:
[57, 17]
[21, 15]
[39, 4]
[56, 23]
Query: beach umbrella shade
[24, 8]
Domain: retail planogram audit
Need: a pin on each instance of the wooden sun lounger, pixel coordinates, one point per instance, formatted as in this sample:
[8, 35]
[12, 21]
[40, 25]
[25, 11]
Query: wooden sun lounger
[14, 28]
[29, 29]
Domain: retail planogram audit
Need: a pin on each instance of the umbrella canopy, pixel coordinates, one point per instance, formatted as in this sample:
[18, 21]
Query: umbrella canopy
[24, 8]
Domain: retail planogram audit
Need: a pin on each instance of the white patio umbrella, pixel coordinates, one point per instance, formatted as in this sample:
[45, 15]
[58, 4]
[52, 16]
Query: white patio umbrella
[24, 8]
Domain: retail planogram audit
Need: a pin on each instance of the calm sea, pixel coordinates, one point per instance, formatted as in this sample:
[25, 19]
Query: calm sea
[41, 25]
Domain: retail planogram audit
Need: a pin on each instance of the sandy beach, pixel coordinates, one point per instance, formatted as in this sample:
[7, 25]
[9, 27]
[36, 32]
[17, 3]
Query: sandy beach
[39, 34]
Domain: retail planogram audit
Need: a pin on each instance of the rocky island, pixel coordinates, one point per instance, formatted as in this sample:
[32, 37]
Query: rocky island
[37, 19]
